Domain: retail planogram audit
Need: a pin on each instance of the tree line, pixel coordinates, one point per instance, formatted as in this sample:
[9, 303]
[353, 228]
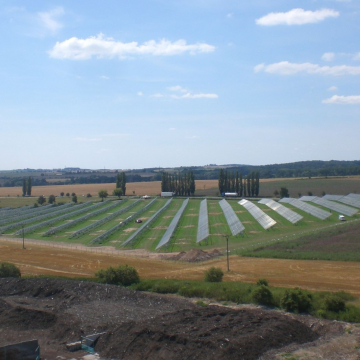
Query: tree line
[182, 184]
[234, 182]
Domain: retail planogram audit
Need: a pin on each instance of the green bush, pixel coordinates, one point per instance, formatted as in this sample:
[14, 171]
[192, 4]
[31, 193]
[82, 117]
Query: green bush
[262, 295]
[9, 270]
[262, 282]
[122, 275]
[334, 303]
[296, 300]
[213, 275]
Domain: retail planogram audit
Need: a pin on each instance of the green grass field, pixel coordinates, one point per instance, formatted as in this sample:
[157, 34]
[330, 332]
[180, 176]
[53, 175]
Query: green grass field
[184, 236]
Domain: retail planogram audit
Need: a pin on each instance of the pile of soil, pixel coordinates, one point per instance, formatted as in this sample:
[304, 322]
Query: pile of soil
[143, 326]
[195, 255]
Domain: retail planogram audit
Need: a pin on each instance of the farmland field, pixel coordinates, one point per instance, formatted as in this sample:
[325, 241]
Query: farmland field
[83, 262]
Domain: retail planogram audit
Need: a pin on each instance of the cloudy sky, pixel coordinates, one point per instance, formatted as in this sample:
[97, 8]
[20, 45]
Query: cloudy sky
[144, 83]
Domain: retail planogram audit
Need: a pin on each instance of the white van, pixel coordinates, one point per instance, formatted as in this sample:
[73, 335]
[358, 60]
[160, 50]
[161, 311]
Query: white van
[342, 218]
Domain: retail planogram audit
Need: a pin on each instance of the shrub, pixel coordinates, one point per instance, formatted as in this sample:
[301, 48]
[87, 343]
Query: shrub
[334, 303]
[9, 270]
[122, 275]
[262, 282]
[213, 275]
[88, 195]
[262, 295]
[296, 300]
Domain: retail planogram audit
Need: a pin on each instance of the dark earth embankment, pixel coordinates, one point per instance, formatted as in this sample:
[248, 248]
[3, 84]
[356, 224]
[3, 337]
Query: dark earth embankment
[144, 326]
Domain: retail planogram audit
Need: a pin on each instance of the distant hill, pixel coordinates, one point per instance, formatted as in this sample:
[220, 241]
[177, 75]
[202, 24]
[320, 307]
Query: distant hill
[312, 168]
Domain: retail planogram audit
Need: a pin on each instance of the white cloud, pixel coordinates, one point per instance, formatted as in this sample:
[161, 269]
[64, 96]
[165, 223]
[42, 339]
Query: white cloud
[296, 17]
[343, 100]
[104, 77]
[356, 56]
[115, 135]
[192, 137]
[195, 96]
[140, 93]
[86, 139]
[101, 47]
[157, 95]
[332, 88]
[172, 129]
[229, 15]
[49, 19]
[329, 56]
[177, 88]
[287, 68]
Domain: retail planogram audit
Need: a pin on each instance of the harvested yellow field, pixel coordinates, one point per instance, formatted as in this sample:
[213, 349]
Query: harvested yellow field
[54, 260]
[140, 188]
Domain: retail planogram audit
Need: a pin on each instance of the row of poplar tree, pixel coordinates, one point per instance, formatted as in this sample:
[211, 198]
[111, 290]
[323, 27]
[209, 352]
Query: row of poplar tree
[231, 181]
[180, 184]
[26, 187]
[121, 184]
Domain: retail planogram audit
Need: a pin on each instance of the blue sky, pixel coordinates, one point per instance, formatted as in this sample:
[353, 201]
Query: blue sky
[122, 84]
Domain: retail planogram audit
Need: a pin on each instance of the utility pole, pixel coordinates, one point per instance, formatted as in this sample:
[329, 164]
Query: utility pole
[23, 234]
[227, 250]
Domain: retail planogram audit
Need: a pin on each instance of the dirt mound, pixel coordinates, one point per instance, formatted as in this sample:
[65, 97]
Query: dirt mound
[140, 325]
[21, 318]
[195, 255]
[205, 333]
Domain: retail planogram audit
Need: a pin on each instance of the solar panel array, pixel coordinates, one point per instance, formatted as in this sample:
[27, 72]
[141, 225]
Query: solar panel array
[235, 225]
[307, 198]
[263, 219]
[134, 235]
[310, 209]
[342, 209]
[288, 214]
[350, 201]
[356, 196]
[203, 226]
[170, 230]
[332, 197]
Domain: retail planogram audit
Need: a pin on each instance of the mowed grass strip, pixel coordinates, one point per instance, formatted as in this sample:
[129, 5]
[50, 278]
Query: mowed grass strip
[150, 238]
[63, 235]
[184, 237]
[120, 236]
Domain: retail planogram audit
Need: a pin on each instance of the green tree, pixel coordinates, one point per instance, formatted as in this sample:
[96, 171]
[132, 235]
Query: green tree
[24, 187]
[103, 194]
[41, 200]
[9, 270]
[74, 199]
[262, 295]
[28, 187]
[257, 183]
[117, 192]
[284, 192]
[62, 194]
[51, 199]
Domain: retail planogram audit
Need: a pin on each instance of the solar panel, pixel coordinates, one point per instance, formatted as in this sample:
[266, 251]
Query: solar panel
[203, 226]
[170, 230]
[263, 219]
[286, 200]
[356, 196]
[310, 209]
[307, 198]
[235, 225]
[332, 197]
[342, 209]
[350, 201]
[288, 214]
